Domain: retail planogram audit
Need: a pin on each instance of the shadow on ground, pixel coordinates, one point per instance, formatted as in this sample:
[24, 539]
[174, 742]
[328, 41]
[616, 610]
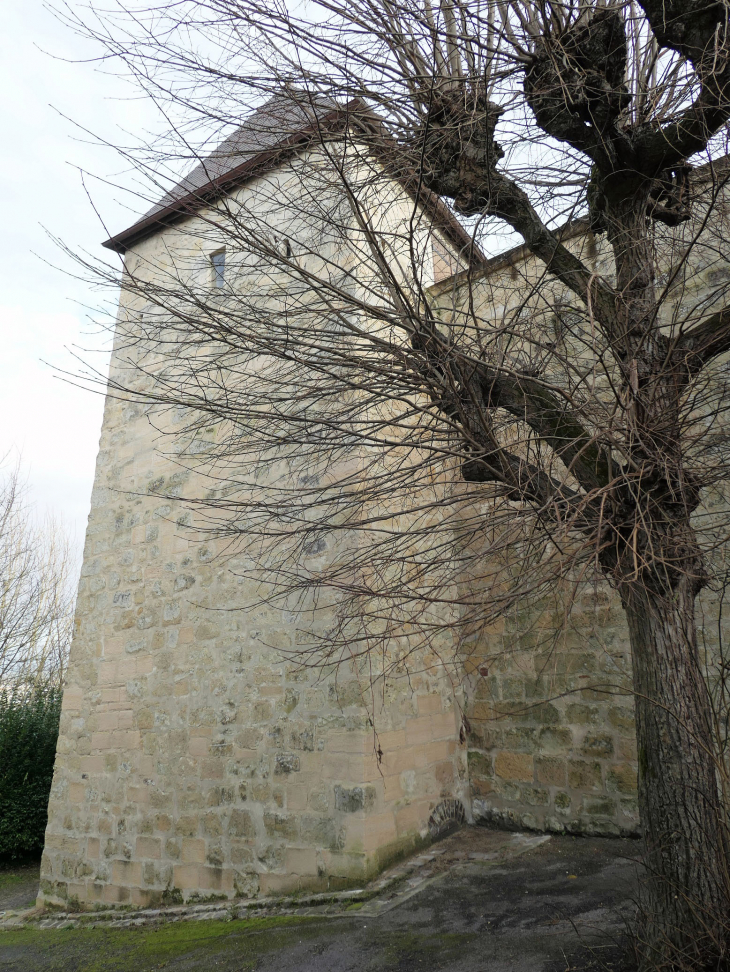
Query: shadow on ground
[561, 907]
[18, 885]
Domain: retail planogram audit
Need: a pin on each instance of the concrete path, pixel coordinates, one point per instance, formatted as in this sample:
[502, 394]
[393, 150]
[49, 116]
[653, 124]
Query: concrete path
[482, 901]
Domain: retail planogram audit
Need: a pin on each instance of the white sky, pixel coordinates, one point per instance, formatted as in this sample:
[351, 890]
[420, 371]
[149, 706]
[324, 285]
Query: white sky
[53, 425]
[52, 95]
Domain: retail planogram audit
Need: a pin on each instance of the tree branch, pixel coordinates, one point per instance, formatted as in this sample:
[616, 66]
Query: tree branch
[699, 30]
[524, 482]
[656, 150]
[506, 200]
[706, 340]
[575, 85]
[473, 385]
[556, 424]
[687, 26]
[471, 179]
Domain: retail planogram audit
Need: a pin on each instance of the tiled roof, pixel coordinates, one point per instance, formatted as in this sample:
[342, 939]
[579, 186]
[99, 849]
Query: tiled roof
[283, 122]
[275, 125]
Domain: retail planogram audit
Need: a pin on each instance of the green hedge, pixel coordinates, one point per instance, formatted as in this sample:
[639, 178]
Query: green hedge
[28, 734]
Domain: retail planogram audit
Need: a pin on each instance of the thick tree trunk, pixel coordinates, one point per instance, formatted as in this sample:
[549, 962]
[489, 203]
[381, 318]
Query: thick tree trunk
[686, 906]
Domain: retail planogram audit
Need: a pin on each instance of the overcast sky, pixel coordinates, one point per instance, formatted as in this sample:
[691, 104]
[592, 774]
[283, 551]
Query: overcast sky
[43, 320]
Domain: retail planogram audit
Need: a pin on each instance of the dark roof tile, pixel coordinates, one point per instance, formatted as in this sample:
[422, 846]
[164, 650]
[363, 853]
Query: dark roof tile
[284, 121]
[271, 126]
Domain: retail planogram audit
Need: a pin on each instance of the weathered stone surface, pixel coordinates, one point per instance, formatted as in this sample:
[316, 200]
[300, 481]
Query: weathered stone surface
[193, 759]
[566, 674]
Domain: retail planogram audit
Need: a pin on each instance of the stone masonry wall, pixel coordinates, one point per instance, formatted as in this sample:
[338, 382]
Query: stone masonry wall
[552, 743]
[552, 736]
[193, 761]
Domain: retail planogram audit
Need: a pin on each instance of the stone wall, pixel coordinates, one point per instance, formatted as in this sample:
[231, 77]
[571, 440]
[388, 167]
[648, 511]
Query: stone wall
[193, 760]
[552, 736]
[552, 742]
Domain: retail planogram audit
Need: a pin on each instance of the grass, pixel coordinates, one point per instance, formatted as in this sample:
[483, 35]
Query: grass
[235, 945]
[223, 946]
[9, 878]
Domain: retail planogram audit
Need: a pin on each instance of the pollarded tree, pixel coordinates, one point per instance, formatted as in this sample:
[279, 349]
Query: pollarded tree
[574, 424]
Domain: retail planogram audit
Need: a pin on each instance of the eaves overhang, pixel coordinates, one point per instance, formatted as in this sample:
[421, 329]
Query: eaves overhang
[187, 203]
[219, 187]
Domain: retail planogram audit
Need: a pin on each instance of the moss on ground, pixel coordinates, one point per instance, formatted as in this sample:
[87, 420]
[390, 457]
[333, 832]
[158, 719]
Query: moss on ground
[185, 945]
[224, 946]
[406, 949]
[9, 878]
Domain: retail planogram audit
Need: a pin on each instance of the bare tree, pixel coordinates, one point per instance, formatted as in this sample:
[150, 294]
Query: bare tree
[36, 603]
[435, 453]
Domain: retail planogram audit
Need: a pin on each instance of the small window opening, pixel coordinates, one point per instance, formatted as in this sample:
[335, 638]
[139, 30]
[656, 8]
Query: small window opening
[283, 247]
[218, 263]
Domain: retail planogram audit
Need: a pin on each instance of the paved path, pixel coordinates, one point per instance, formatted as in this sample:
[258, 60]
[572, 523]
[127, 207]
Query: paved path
[486, 902]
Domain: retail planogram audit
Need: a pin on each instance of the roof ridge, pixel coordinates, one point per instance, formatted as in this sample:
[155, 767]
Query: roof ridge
[210, 180]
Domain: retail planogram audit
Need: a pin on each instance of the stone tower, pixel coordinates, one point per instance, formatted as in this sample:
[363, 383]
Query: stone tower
[192, 760]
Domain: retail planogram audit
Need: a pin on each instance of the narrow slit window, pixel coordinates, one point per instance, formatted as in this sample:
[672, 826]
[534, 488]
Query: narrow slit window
[218, 265]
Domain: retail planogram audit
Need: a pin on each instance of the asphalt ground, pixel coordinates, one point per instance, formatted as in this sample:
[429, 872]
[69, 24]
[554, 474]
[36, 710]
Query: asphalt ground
[563, 906]
[18, 885]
